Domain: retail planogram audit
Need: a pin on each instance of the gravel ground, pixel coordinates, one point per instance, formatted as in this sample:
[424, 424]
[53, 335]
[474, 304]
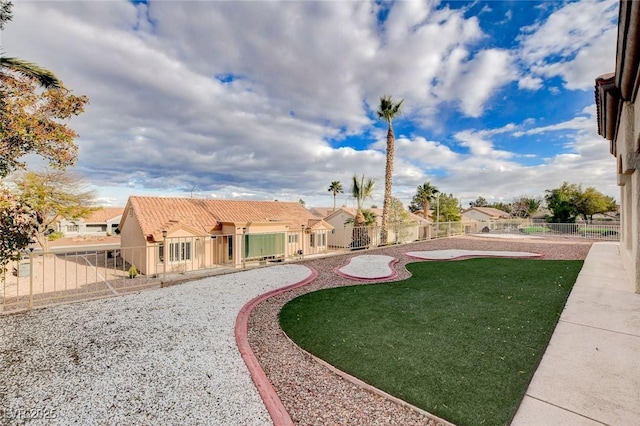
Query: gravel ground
[159, 357]
[311, 393]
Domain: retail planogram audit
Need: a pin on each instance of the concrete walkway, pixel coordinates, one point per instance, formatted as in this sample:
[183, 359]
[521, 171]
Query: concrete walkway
[590, 373]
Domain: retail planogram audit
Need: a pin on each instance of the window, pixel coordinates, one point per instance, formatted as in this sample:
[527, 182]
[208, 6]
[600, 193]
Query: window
[180, 251]
[161, 252]
[318, 240]
[293, 238]
[72, 228]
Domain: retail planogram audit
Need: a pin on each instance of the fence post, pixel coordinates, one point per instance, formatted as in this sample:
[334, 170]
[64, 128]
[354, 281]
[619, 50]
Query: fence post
[30, 279]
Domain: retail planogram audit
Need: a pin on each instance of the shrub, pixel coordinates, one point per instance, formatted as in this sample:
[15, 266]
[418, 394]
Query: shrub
[55, 236]
[133, 271]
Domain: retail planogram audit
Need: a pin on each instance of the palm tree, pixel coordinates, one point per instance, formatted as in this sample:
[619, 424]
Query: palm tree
[388, 110]
[8, 66]
[361, 190]
[336, 188]
[425, 195]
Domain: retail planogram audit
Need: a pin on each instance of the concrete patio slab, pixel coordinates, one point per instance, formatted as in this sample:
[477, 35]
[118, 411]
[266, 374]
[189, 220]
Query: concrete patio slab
[369, 267]
[457, 254]
[590, 370]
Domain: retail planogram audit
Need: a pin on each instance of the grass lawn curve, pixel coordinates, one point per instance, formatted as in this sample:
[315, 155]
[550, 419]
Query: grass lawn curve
[460, 339]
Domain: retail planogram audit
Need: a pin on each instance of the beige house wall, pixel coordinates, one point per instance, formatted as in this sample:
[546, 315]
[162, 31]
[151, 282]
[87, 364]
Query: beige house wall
[626, 149]
[133, 246]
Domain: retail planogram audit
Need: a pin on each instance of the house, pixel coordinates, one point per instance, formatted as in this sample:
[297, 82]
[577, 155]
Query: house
[484, 214]
[102, 222]
[191, 234]
[618, 118]
[399, 231]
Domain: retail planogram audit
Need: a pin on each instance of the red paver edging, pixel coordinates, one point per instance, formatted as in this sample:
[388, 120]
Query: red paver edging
[393, 274]
[274, 406]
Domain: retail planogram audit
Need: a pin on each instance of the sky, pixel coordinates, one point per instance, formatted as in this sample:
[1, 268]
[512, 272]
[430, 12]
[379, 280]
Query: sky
[268, 100]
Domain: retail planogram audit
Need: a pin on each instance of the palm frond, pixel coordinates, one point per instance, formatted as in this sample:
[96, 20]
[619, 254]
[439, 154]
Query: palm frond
[30, 70]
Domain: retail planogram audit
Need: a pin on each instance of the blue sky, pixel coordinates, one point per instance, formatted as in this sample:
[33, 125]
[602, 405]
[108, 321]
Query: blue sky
[274, 100]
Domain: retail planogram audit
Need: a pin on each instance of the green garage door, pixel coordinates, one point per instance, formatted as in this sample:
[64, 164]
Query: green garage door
[263, 245]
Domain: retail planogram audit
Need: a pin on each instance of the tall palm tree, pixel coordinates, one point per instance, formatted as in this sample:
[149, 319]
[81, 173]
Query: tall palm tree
[425, 195]
[361, 190]
[8, 66]
[336, 188]
[388, 110]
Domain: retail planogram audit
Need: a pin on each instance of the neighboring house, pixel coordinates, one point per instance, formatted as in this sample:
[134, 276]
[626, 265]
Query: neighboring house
[484, 214]
[322, 211]
[341, 235]
[103, 221]
[619, 122]
[206, 233]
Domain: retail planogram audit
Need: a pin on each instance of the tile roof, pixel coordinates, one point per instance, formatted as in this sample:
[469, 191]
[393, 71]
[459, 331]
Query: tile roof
[490, 211]
[104, 214]
[157, 213]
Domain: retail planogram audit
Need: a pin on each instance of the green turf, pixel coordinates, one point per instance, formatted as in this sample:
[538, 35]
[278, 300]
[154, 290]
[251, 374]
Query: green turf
[459, 339]
[535, 230]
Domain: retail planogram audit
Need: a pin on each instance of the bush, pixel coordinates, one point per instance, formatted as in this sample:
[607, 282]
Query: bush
[55, 236]
[133, 271]
[564, 228]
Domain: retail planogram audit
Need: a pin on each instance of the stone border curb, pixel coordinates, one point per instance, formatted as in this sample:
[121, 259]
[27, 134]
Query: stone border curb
[274, 406]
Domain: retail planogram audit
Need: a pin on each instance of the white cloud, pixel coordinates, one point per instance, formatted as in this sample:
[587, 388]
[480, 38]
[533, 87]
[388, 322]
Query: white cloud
[575, 43]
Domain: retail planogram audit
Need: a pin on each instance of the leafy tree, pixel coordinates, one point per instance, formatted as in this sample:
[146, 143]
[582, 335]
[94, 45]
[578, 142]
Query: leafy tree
[570, 201]
[30, 123]
[302, 202]
[53, 195]
[592, 201]
[448, 208]
[17, 226]
[561, 203]
[32, 103]
[525, 206]
[480, 202]
[425, 195]
[388, 110]
[335, 188]
[505, 207]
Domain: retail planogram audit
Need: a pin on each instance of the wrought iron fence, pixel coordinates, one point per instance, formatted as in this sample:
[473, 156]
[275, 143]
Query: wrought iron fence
[39, 279]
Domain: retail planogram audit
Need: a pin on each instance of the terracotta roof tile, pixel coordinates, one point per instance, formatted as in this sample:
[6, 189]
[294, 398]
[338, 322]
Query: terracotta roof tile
[104, 214]
[157, 213]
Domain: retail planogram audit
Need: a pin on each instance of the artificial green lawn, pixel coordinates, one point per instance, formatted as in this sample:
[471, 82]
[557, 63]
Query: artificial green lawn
[459, 339]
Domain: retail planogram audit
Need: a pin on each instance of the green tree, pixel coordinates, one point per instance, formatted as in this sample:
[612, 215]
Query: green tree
[388, 110]
[302, 202]
[591, 201]
[448, 207]
[53, 195]
[479, 202]
[425, 195]
[361, 190]
[335, 188]
[561, 203]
